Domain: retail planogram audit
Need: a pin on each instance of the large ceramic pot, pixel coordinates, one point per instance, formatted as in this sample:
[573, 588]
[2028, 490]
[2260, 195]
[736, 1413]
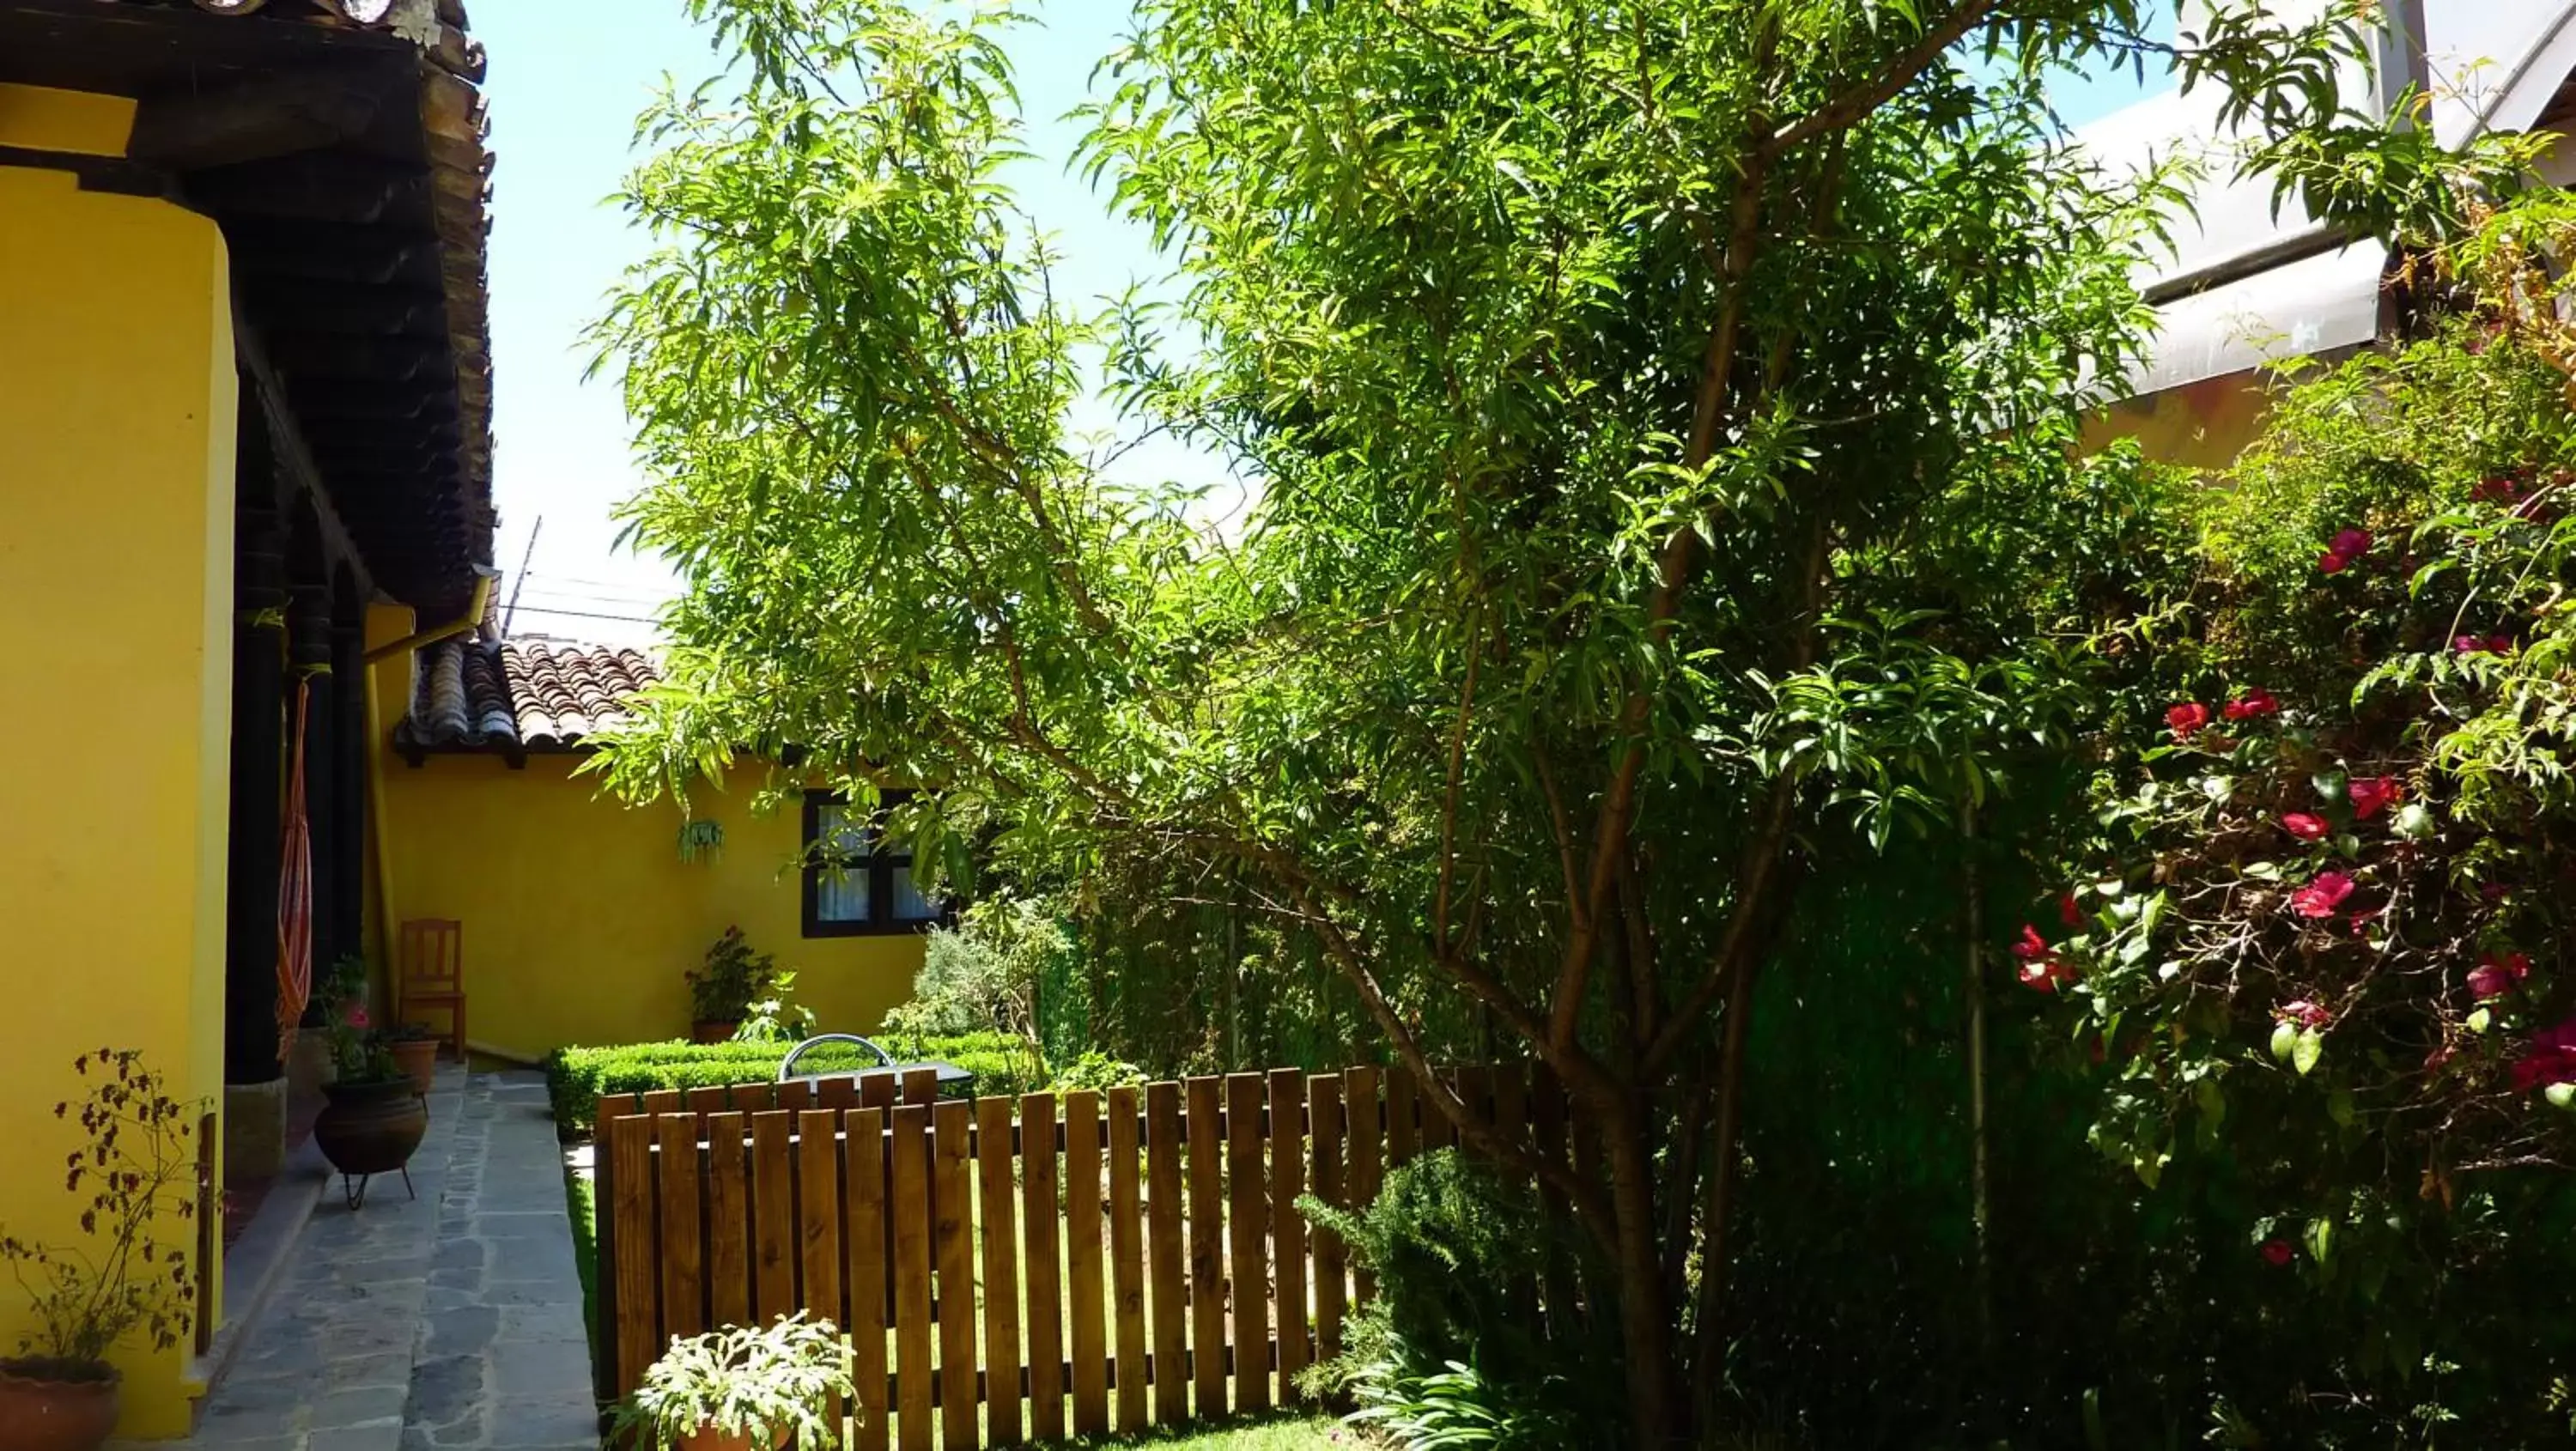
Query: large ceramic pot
[707, 1438]
[370, 1128]
[418, 1059]
[712, 1032]
[51, 1406]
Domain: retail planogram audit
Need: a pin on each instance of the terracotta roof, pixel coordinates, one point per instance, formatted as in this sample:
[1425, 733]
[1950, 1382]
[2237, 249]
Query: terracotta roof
[518, 695]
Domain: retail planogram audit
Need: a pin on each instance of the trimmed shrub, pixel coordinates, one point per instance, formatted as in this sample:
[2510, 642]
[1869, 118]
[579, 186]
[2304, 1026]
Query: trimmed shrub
[577, 1076]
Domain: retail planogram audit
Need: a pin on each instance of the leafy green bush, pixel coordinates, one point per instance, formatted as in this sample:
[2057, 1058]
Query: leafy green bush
[579, 1075]
[1450, 1352]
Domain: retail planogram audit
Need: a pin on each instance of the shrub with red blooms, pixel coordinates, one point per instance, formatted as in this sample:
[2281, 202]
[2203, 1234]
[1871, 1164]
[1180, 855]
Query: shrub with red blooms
[2323, 951]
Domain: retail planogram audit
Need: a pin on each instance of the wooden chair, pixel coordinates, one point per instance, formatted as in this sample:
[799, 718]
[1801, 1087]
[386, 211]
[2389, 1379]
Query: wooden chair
[432, 973]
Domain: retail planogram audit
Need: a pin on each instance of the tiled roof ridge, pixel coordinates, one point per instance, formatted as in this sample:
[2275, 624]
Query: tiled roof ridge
[521, 695]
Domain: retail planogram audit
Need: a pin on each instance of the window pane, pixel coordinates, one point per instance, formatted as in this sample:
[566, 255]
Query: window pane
[909, 904]
[842, 836]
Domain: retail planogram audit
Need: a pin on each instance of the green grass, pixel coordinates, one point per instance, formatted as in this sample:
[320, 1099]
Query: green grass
[1297, 1433]
[582, 1206]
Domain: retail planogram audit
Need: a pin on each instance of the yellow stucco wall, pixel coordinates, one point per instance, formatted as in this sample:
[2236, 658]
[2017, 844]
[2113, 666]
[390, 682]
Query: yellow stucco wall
[580, 918]
[116, 455]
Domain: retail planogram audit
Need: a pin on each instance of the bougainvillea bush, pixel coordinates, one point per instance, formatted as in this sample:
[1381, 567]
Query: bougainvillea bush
[2310, 942]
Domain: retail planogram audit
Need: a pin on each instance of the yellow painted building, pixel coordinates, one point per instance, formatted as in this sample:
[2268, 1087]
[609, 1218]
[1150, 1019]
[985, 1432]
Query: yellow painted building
[579, 914]
[116, 382]
[244, 390]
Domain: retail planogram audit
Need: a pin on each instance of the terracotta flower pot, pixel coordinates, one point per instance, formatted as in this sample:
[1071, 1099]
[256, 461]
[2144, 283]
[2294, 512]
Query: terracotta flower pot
[41, 1410]
[418, 1058]
[712, 1032]
[370, 1128]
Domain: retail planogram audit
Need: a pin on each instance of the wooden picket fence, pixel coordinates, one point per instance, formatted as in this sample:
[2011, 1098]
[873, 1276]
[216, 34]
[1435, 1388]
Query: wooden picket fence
[1109, 1287]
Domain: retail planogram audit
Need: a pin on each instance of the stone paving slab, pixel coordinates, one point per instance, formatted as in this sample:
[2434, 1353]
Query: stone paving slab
[447, 1322]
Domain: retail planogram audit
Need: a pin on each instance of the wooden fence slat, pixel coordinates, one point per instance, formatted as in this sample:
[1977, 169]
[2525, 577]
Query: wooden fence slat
[753, 1097]
[1547, 1109]
[866, 1246]
[1127, 1258]
[1438, 1130]
[773, 1212]
[1247, 1217]
[878, 1090]
[704, 1101]
[993, 1158]
[921, 1085]
[1082, 1262]
[953, 1242]
[1166, 1252]
[1367, 1135]
[639, 1331]
[1287, 1226]
[679, 1243]
[1401, 1091]
[1207, 1256]
[728, 1220]
[1324, 1142]
[818, 1223]
[1040, 1219]
[836, 1093]
[796, 1095]
[909, 1148]
[659, 1102]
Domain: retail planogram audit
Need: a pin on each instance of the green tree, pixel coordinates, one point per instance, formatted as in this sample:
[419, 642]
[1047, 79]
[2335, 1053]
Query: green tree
[1644, 398]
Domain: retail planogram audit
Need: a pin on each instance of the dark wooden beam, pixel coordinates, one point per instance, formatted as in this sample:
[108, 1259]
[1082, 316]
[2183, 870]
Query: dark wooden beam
[259, 119]
[286, 443]
[114, 174]
[383, 360]
[324, 252]
[319, 187]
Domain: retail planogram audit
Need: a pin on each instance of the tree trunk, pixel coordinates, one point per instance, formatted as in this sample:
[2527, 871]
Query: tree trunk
[1645, 1321]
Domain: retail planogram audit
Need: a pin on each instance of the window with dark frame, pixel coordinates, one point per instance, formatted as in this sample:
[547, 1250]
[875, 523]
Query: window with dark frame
[856, 882]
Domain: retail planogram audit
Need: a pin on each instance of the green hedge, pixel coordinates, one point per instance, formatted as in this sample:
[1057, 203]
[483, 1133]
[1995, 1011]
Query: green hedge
[578, 1076]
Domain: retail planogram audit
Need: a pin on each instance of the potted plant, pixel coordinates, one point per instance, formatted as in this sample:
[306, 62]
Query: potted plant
[139, 1169]
[415, 1051]
[723, 988]
[372, 1120]
[741, 1389]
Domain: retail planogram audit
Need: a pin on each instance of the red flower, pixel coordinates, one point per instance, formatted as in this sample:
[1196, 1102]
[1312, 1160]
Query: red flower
[2467, 645]
[2499, 644]
[2551, 1058]
[2277, 1252]
[2499, 490]
[2303, 826]
[2187, 718]
[358, 1015]
[2372, 795]
[2351, 543]
[2304, 1013]
[2321, 896]
[2252, 705]
[2068, 912]
[2331, 563]
[2493, 977]
[2040, 968]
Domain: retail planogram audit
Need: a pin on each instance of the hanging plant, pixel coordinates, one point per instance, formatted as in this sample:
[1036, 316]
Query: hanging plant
[701, 841]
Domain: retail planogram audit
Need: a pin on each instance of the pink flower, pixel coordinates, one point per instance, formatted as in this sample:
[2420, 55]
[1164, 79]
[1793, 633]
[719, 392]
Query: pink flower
[2303, 826]
[2331, 563]
[2372, 795]
[2321, 896]
[2187, 718]
[2493, 977]
[2278, 1253]
[2351, 543]
[358, 1015]
[2304, 1013]
[2252, 705]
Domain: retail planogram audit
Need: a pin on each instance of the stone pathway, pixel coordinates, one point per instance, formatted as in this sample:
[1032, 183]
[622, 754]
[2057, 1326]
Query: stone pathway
[447, 1323]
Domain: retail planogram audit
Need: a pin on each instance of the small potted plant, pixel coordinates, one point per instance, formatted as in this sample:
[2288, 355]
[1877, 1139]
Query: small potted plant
[373, 1119]
[415, 1050]
[139, 1169]
[723, 988]
[741, 1389]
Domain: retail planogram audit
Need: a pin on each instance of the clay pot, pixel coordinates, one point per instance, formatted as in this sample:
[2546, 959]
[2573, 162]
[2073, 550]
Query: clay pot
[42, 1411]
[370, 1128]
[712, 1032]
[418, 1059]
